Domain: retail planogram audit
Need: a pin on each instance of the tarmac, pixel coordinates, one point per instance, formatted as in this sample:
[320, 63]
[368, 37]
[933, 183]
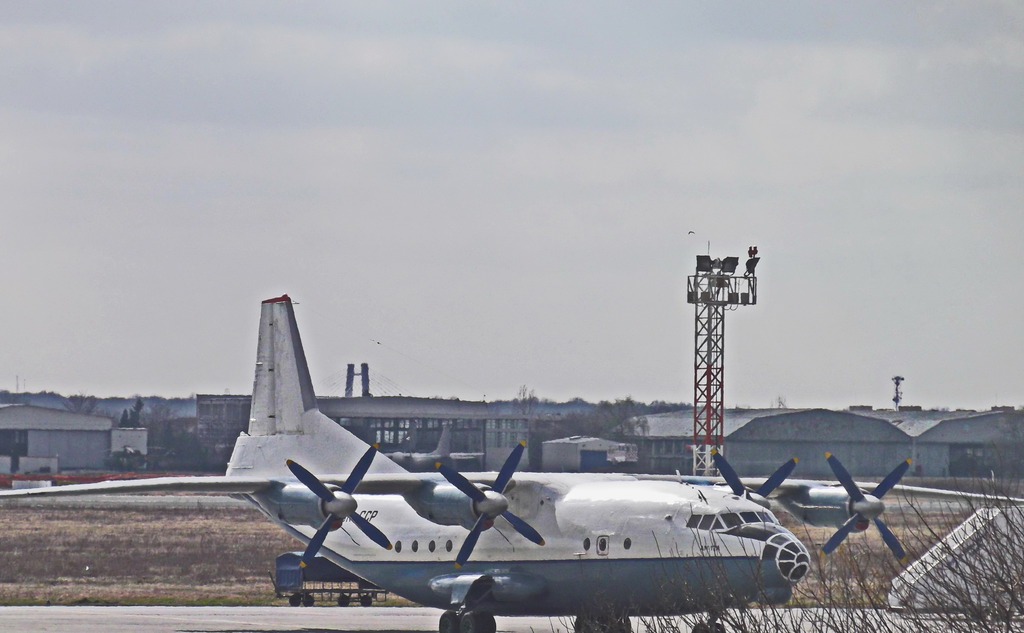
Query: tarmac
[95, 619]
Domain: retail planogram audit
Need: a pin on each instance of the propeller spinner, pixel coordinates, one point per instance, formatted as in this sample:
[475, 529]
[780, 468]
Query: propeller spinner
[490, 504]
[866, 507]
[338, 505]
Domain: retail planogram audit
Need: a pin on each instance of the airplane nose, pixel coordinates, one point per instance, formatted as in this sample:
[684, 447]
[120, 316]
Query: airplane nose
[789, 555]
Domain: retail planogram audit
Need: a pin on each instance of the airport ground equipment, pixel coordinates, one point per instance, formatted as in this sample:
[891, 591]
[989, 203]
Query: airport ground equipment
[321, 580]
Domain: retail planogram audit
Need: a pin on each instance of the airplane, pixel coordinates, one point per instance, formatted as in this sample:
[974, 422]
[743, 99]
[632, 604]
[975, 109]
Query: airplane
[420, 462]
[596, 547]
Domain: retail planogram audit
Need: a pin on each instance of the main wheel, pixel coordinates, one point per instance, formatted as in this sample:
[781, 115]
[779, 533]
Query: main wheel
[477, 622]
[307, 599]
[295, 599]
[449, 623]
[343, 600]
[366, 600]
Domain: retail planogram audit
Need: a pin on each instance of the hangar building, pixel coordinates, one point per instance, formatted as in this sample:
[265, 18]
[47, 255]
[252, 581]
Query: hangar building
[397, 423]
[869, 443]
[42, 440]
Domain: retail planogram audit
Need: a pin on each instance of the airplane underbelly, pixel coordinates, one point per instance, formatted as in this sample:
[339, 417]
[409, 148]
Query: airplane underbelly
[635, 586]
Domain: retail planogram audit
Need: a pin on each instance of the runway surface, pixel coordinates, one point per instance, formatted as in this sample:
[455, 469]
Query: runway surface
[92, 619]
[241, 620]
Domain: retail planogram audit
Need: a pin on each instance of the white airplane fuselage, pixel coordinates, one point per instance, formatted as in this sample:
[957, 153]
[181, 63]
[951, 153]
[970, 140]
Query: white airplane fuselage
[613, 543]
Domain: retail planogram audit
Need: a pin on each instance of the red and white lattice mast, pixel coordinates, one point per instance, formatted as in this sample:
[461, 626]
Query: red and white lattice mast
[712, 290]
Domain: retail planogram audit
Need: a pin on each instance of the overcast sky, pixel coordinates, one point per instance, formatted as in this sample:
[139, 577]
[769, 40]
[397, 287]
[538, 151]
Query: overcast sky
[481, 195]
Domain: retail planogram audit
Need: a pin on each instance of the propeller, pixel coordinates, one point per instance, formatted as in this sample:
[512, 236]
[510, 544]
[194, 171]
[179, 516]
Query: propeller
[866, 507]
[490, 504]
[759, 496]
[338, 505]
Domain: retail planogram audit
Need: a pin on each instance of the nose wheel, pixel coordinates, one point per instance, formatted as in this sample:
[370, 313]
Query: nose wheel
[466, 622]
[711, 626]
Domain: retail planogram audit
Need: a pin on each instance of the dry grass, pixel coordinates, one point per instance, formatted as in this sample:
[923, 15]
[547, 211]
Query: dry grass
[138, 556]
[223, 555]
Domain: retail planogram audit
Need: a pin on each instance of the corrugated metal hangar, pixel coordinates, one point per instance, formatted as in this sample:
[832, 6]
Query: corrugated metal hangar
[38, 439]
[870, 443]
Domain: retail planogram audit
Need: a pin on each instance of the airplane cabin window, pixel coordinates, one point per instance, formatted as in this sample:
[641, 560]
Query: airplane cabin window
[415, 546]
[398, 546]
[602, 545]
[626, 544]
[586, 545]
[448, 546]
[430, 546]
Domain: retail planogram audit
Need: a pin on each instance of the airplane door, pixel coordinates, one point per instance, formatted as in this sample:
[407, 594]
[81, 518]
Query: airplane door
[602, 545]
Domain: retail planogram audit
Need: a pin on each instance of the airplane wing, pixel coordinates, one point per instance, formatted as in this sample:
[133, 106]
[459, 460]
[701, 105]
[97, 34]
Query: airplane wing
[911, 493]
[371, 484]
[395, 483]
[209, 484]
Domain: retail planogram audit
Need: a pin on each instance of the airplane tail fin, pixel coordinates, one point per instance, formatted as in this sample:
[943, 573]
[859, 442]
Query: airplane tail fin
[285, 422]
[444, 444]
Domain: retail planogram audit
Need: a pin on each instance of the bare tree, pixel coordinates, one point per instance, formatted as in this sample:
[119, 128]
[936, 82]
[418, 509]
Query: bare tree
[80, 403]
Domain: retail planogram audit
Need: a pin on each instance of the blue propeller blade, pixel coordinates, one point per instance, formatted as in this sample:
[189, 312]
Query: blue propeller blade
[891, 479]
[317, 541]
[729, 474]
[456, 479]
[471, 539]
[777, 478]
[840, 535]
[891, 540]
[359, 471]
[483, 521]
[523, 528]
[310, 480]
[844, 477]
[509, 467]
[369, 530]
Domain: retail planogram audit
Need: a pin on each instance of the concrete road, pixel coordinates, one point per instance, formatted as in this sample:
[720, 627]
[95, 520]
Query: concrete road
[386, 619]
[241, 620]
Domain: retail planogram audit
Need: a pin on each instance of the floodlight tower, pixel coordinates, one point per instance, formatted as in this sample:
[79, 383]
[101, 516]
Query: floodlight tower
[712, 290]
[896, 399]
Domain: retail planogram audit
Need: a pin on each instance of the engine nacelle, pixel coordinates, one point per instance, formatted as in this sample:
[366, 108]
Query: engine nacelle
[443, 504]
[820, 507]
[296, 505]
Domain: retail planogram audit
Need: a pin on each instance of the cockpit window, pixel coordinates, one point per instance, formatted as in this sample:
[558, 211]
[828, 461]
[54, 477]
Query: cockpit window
[707, 522]
[731, 519]
[727, 520]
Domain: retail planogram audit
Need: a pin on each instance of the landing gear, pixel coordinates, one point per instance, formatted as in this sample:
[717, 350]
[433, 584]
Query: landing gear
[343, 600]
[711, 626]
[307, 599]
[366, 600]
[449, 622]
[295, 599]
[466, 622]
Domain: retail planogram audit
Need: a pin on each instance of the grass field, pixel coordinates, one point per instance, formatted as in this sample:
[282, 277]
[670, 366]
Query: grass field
[138, 555]
[224, 555]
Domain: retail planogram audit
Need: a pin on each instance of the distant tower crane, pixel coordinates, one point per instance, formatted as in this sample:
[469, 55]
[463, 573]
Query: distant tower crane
[896, 399]
[713, 289]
